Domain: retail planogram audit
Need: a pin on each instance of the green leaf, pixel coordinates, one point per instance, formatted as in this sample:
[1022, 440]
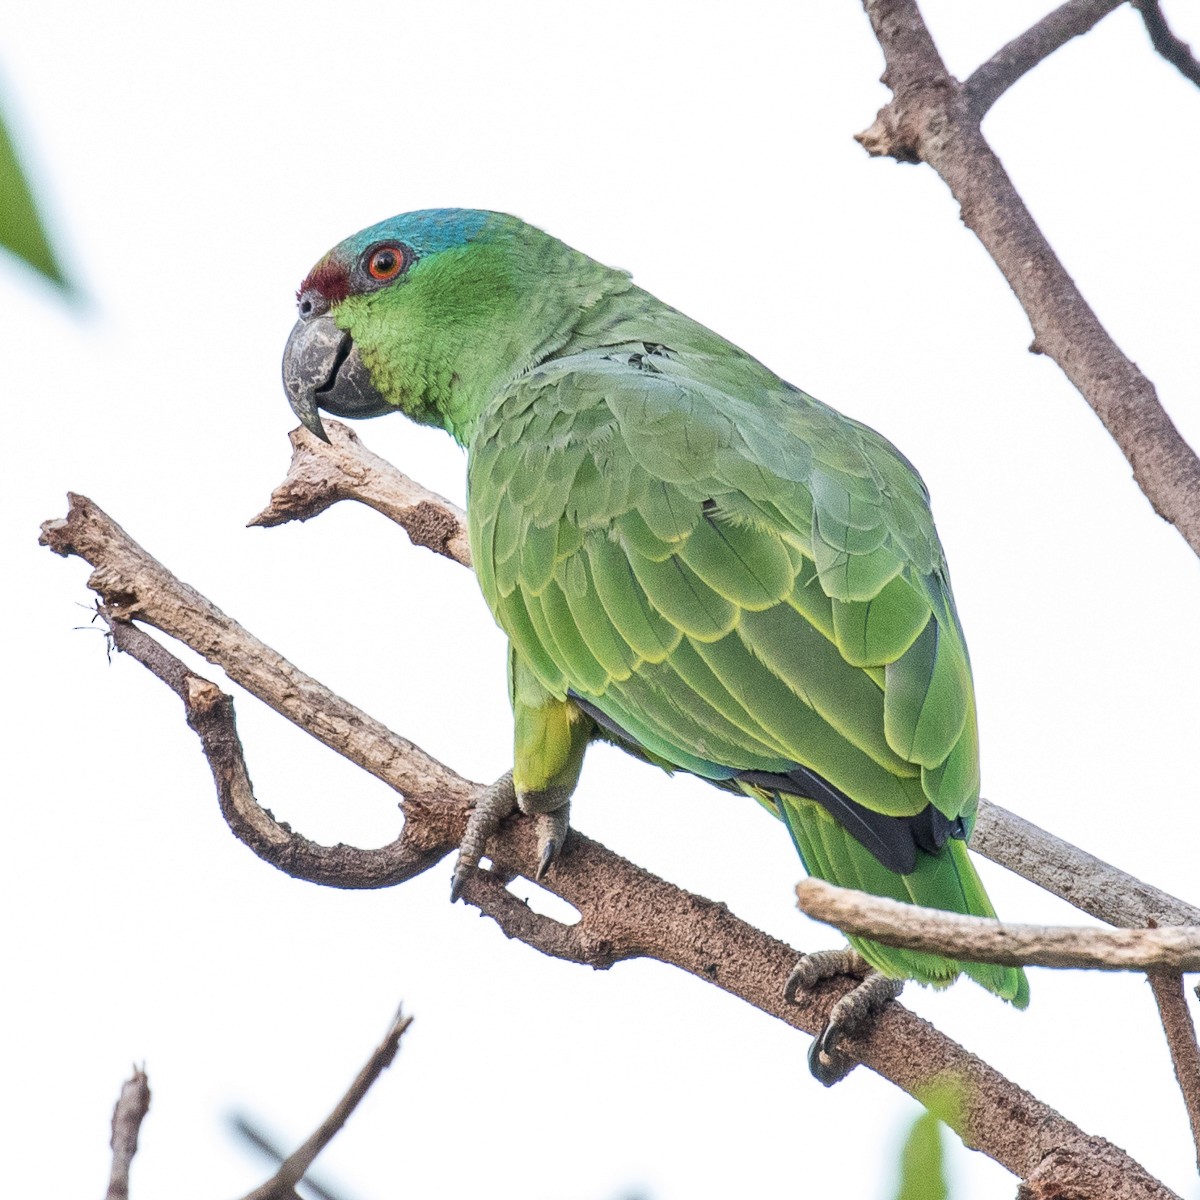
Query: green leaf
[922, 1176]
[21, 229]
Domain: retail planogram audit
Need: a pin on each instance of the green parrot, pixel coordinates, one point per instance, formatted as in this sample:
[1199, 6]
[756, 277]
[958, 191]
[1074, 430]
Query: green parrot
[691, 558]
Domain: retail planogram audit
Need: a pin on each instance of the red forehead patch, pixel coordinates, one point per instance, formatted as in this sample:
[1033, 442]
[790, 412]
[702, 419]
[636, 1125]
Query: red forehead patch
[329, 278]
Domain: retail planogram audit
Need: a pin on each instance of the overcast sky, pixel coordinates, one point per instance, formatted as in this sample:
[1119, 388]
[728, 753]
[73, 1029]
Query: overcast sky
[195, 161]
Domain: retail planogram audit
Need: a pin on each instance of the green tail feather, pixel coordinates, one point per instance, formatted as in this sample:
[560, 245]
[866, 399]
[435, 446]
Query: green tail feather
[946, 880]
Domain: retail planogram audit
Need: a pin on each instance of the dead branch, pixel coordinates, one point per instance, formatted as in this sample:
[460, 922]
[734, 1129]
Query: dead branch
[134, 586]
[929, 120]
[1175, 50]
[209, 713]
[990, 81]
[247, 1129]
[1181, 1040]
[130, 1111]
[978, 939]
[293, 1168]
[322, 473]
[625, 911]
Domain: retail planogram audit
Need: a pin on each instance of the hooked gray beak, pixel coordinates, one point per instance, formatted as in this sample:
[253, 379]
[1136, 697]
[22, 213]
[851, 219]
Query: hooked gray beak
[322, 370]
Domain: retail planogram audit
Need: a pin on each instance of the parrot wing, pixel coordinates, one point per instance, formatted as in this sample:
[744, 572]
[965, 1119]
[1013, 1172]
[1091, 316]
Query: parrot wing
[749, 588]
[740, 584]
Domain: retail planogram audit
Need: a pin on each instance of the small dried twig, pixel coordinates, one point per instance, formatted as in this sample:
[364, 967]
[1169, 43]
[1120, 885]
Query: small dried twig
[990, 81]
[978, 939]
[1181, 1039]
[322, 473]
[131, 1108]
[292, 1169]
[1175, 50]
[261, 1142]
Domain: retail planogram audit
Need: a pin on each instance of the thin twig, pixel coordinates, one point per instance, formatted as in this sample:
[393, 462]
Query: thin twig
[130, 1111]
[625, 912]
[246, 1129]
[978, 939]
[292, 1169]
[1175, 50]
[929, 121]
[1181, 1039]
[990, 81]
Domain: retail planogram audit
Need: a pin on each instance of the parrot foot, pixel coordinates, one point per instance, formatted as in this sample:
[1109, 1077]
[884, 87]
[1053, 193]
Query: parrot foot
[552, 829]
[827, 1063]
[497, 801]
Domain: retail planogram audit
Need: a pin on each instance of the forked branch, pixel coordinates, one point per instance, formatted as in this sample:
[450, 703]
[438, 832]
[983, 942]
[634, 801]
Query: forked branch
[625, 912]
[931, 119]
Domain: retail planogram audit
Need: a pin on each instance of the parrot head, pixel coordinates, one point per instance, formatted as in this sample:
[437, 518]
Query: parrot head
[427, 313]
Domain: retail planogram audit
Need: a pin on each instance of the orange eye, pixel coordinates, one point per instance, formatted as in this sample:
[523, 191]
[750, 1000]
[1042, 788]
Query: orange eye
[386, 262]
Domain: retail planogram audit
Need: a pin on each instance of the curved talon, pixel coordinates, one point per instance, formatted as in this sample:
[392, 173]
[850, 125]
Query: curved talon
[497, 801]
[827, 1063]
[551, 833]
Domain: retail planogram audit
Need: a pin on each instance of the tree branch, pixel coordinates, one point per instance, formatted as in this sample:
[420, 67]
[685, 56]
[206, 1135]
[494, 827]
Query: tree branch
[929, 121]
[130, 1111]
[134, 586]
[625, 911]
[1181, 1040]
[248, 1130]
[293, 1168]
[322, 473]
[1176, 51]
[980, 939]
[1074, 875]
[989, 82]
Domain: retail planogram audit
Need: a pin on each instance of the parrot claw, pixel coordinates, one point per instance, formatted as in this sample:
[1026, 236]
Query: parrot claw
[552, 830]
[497, 801]
[827, 1063]
[810, 969]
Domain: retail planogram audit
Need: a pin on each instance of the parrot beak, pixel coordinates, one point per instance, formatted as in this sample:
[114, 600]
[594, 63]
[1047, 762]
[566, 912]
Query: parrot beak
[322, 370]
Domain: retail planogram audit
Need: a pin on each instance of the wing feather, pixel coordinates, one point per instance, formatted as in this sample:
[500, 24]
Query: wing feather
[743, 583]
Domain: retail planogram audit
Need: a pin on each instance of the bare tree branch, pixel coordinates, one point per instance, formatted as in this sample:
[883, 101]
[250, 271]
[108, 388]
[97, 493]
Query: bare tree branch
[929, 121]
[1181, 1039]
[248, 1130]
[292, 1169]
[625, 911]
[130, 1111]
[1176, 51]
[323, 473]
[989, 82]
[136, 587]
[210, 714]
[978, 939]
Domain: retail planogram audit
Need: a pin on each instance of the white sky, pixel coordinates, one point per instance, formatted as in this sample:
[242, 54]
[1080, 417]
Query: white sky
[196, 161]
